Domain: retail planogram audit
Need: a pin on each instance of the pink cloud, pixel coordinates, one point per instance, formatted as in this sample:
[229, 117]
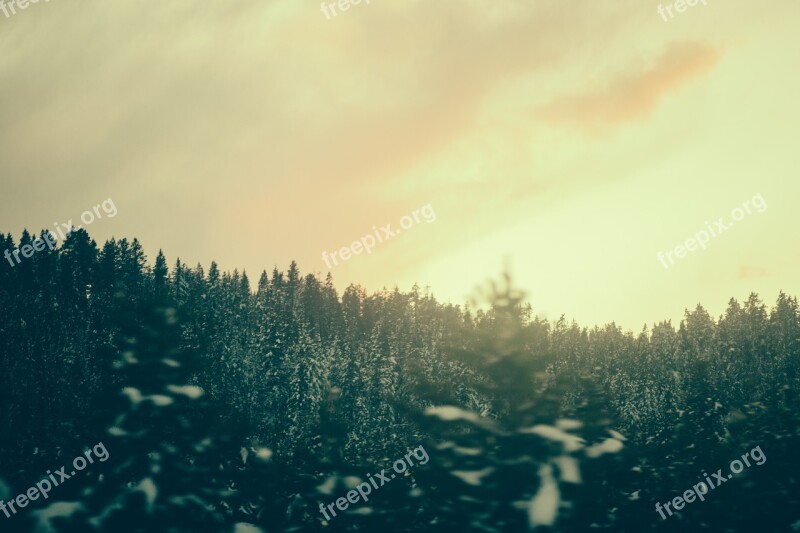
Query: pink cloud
[634, 95]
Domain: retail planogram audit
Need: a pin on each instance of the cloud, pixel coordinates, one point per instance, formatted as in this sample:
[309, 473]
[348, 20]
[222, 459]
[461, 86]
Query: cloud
[633, 96]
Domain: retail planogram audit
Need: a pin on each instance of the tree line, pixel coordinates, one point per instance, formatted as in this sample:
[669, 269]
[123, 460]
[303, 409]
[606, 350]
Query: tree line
[529, 423]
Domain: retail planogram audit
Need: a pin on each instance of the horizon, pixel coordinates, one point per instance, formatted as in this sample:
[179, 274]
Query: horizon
[474, 302]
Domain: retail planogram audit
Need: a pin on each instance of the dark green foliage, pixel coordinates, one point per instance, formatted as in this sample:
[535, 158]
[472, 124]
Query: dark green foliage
[526, 422]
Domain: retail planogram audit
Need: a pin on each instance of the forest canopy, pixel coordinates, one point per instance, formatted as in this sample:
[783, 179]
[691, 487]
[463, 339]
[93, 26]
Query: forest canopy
[528, 423]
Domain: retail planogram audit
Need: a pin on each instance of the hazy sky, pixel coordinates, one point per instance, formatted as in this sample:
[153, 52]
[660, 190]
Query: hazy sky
[572, 139]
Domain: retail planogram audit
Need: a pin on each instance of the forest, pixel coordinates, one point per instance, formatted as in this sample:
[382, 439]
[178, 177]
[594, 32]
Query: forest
[227, 405]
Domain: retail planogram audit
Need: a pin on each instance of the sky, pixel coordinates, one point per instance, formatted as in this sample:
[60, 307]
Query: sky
[568, 141]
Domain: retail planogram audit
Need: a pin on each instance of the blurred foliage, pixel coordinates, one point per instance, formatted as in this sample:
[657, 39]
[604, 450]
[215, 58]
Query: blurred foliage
[225, 408]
